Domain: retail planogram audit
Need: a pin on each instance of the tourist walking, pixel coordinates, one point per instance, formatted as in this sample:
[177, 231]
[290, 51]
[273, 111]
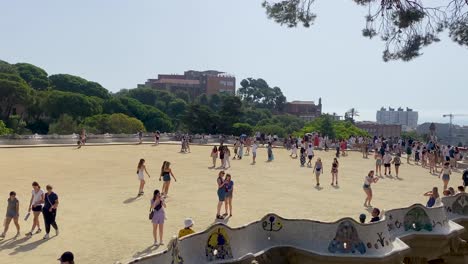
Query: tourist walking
[318, 168]
[35, 205]
[221, 193]
[221, 155]
[228, 198]
[302, 159]
[157, 135]
[378, 162]
[368, 180]
[254, 151]
[310, 154]
[248, 145]
[387, 160]
[157, 217]
[434, 198]
[270, 152]
[293, 151]
[445, 173]
[214, 155]
[140, 136]
[141, 169]
[241, 149]
[166, 173]
[227, 155]
[49, 211]
[334, 172]
[397, 162]
[12, 213]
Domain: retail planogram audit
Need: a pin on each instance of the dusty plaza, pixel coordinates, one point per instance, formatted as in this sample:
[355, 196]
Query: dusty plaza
[100, 217]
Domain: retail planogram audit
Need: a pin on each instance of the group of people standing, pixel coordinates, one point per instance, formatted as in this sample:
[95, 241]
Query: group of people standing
[40, 202]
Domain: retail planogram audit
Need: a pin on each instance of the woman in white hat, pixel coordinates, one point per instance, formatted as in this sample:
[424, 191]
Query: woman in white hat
[187, 230]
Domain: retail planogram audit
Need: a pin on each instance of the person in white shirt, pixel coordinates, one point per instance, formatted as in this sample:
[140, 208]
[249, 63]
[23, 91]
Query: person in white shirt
[310, 154]
[254, 151]
[37, 199]
[387, 160]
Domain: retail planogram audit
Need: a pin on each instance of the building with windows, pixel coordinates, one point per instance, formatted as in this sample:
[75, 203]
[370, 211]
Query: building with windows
[195, 83]
[408, 118]
[384, 130]
[306, 110]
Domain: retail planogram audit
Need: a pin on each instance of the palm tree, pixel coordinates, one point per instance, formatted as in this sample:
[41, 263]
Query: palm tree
[352, 113]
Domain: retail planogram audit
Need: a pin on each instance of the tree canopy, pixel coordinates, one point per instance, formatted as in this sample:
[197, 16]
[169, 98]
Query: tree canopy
[334, 129]
[405, 26]
[75, 84]
[258, 93]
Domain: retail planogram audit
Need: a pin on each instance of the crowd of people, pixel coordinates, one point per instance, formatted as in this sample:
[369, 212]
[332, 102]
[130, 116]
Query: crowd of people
[439, 159]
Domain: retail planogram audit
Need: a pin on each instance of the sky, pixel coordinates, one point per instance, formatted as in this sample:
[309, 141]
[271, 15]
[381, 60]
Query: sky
[121, 43]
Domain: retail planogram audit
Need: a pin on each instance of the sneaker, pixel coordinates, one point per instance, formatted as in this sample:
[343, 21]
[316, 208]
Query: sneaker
[29, 234]
[46, 236]
[155, 243]
[2, 235]
[38, 231]
[56, 232]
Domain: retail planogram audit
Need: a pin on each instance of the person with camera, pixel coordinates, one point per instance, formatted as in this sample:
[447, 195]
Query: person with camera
[157, 216]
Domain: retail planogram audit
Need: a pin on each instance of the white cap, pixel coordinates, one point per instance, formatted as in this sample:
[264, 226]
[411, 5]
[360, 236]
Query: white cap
[188, 222]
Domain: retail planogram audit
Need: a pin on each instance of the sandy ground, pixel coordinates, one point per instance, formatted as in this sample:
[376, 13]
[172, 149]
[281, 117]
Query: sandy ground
[100, 219]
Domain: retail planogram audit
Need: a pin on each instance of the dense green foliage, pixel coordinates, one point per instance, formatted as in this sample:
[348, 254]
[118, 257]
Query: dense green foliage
[325, 125]
[4, 130]
[64, 104]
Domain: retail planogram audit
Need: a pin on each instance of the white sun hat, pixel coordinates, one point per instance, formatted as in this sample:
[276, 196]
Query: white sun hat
[188, 222]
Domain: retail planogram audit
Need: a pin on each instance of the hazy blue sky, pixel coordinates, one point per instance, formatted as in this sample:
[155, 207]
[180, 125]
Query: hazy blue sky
[122, 43]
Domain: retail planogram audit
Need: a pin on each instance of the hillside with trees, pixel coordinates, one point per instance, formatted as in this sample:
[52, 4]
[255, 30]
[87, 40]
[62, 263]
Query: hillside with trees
[32, 101]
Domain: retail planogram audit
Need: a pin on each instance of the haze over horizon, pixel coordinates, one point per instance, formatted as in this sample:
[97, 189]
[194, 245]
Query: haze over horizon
[122, 43]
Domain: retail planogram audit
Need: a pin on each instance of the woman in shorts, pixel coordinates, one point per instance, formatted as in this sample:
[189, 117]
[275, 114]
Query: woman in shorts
[445, 173]
[318, 168]
[367, 187]
[214, 155]
[228, 198]
[166, 173]
[35, 205]
[12, 214]
[378, 162]
[397, 162]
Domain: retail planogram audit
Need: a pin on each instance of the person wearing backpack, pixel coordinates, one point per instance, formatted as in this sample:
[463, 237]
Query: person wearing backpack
[157, 216]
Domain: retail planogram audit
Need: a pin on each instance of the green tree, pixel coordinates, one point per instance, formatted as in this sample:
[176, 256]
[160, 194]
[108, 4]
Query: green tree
[75, 84]
[258, 93]
[146, 96]
[33, 75]
[7, 68]
[201, 119]
[4, 130]
[157, 120]
[74, 104]
[115, 123]
[405, 26]
[272, 129]
[13, 91]
[242, 128]
[65, 125]
[18, 125]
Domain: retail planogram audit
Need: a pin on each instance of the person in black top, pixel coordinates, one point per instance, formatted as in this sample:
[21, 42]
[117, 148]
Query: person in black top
[465, 177]
[49, 211]
[375, 215]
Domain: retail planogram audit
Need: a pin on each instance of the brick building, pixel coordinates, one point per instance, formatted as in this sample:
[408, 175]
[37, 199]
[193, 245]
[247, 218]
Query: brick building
[195, 83]
[306, 110]
[375, 129]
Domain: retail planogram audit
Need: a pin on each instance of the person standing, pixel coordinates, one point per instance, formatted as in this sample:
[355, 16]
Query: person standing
[157, 135]
[241, 149]
[302, 152]
[37, 199]
[221, 193]
[141, 169]
[227, 155]
[214, 155]
[12, 214]
[318, 168]
[49, 211]
[445, 173]
[397, 162]
[254, 151]
[367, 187]
[387, 160]
[229, 191]
[270, 152]
[221, 155]
[293, 151]
[157, 207]
[140, 136]
[166, 173]
[378, 162]
[310, 154]
[334, 172]
[248, 145]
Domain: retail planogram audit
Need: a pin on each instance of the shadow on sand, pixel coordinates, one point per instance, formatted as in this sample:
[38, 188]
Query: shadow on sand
[145, 251]
[29, 247]
[132, 199]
